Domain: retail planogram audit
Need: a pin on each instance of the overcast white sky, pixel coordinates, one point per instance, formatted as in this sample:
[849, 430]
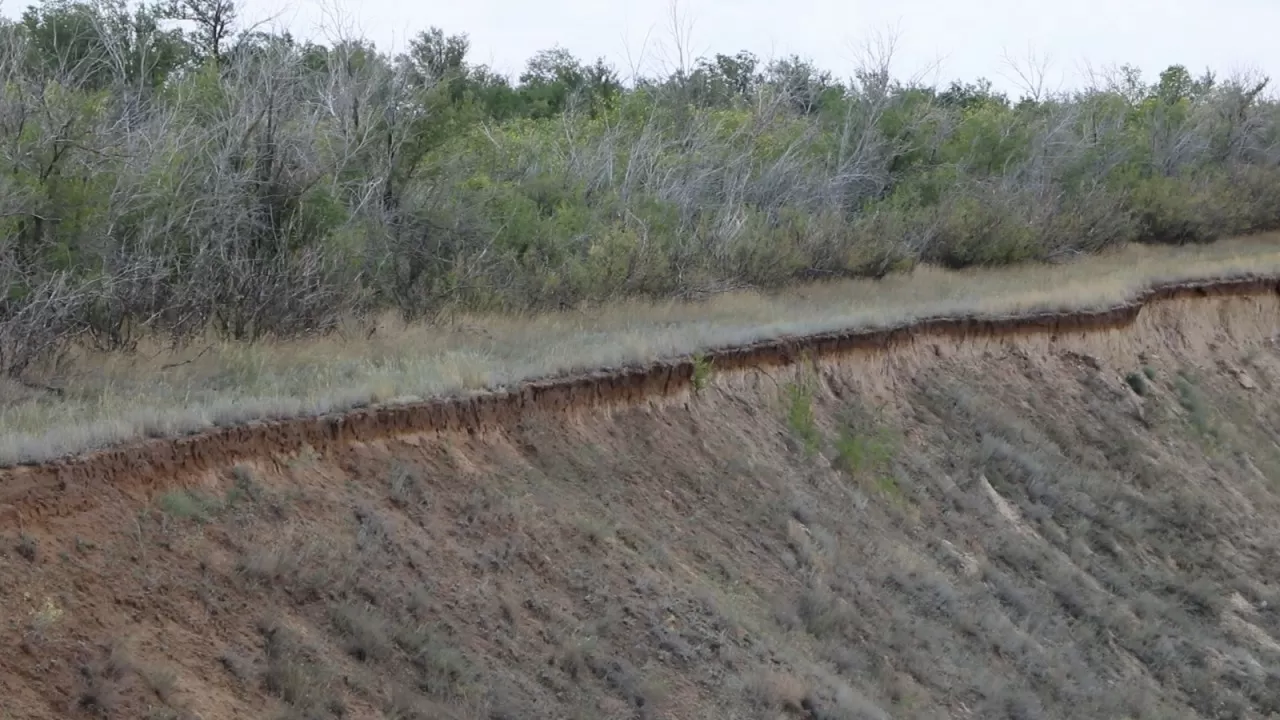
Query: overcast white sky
[961, 38]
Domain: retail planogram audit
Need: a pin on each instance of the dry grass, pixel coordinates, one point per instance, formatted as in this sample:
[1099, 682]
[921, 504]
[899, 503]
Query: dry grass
[110, 399]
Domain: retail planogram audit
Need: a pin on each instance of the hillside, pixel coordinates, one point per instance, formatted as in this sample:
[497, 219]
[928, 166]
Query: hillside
[339, 382]
[1053, 518]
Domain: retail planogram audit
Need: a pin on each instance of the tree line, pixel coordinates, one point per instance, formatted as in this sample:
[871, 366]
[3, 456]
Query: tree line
[164, 169]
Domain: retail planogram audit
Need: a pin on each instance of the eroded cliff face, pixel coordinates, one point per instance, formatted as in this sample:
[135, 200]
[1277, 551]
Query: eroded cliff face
[65, 486]
[1056, 516]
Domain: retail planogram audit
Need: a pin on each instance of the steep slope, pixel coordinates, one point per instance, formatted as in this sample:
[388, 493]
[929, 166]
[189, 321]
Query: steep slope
[1065, 518]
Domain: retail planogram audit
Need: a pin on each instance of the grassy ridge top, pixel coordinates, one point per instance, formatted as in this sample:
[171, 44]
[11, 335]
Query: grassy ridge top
[111, 397]
[216, 188]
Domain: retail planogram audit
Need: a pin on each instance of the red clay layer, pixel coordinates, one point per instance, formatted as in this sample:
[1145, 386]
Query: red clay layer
[66, 486]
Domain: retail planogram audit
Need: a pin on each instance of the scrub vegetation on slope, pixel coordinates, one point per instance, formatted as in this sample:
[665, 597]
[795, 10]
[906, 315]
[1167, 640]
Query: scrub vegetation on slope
[1024, 527]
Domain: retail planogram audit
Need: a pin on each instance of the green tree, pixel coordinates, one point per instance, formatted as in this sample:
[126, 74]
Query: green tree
[95, 44]
[214, 22]
[554, 80]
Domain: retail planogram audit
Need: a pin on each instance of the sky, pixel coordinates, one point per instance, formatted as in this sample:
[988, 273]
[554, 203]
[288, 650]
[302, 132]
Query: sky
[936, 40]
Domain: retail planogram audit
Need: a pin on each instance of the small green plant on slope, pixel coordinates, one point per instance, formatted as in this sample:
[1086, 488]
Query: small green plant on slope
[406, 487]
[702, 366]
[800, 415]
[859, 452]
[245, 487]
[1137, 382]
[867, 447]
[189, 504]
[28, 547]
[194, 505]
[1199, 414]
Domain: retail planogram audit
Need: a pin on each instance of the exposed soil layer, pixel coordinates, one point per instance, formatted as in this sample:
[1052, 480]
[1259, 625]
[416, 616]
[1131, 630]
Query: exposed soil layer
[1050, 516]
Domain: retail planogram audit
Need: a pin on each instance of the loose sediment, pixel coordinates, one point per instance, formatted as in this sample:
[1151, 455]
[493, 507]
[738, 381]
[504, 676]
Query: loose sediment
[30, 493]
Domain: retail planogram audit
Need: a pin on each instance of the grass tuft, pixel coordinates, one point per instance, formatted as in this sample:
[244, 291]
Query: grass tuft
[1199, 414]
[189, 505]
[702, 367]
[1138, 382]
[800, 416]
[28, 547]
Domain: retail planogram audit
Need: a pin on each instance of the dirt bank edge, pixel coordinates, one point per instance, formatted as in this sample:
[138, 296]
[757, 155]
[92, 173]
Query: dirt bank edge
[31, 492]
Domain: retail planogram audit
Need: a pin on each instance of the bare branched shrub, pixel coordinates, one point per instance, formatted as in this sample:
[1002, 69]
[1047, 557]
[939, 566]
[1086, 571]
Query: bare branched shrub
[104, 680]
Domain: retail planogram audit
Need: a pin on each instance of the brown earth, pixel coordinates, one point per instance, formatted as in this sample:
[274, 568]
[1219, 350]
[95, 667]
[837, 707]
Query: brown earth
[1059, 517]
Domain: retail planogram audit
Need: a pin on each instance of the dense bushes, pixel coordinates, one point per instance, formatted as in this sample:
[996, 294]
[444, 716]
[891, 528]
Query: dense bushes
[160, 182]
